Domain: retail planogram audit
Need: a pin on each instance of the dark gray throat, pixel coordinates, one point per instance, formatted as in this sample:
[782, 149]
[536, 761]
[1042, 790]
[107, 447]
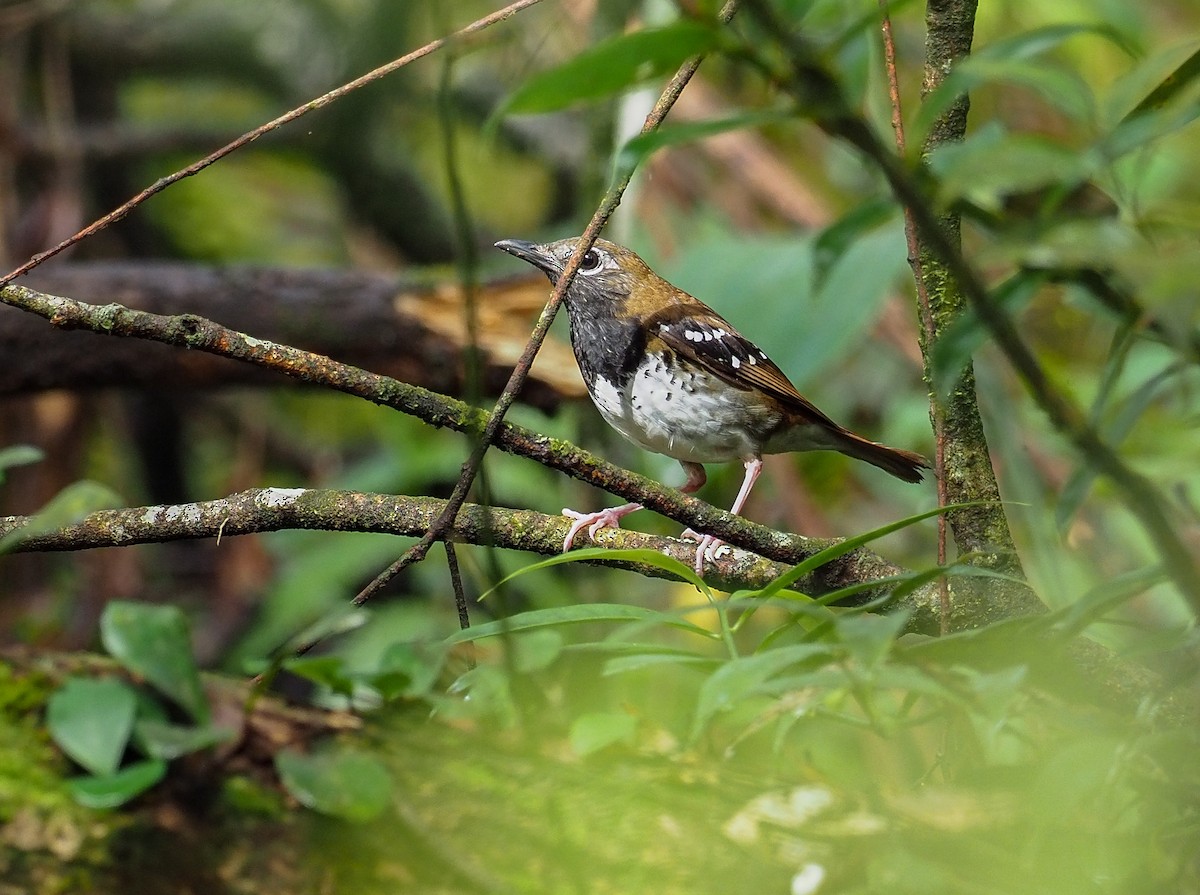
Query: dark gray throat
[606, 346]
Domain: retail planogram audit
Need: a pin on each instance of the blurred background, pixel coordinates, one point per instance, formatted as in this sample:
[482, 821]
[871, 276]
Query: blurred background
[405, 184]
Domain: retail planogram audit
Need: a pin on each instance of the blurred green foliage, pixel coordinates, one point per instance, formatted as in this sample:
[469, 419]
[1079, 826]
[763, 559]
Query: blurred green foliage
[1004, 759]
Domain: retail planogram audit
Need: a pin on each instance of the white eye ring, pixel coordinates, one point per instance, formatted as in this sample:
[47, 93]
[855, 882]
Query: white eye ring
[590, 262]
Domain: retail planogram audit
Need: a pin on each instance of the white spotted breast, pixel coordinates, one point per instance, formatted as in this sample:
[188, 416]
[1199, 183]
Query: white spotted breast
[684, 412]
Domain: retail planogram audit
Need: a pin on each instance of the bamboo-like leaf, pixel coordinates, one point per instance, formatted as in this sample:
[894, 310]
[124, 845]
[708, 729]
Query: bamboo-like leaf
[611, 66]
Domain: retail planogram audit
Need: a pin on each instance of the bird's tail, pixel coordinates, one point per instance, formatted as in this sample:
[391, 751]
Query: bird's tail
[906, 465]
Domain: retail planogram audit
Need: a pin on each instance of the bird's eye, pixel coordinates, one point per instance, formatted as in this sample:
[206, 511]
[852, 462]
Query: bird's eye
[590, 261]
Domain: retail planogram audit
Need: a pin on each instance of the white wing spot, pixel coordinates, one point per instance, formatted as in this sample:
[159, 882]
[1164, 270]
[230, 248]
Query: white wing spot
[736, 363]
[708, 337]
[752, 360]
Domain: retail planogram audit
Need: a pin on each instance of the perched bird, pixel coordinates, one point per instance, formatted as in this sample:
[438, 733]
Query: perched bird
[671, 375]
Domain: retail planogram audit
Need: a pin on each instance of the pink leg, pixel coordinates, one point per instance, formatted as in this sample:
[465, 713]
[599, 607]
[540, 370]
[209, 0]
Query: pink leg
[710, 547]
[593, 522]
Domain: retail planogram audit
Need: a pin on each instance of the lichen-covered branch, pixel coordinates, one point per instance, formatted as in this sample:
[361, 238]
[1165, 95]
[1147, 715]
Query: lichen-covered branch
[197, 333]
[275, 509]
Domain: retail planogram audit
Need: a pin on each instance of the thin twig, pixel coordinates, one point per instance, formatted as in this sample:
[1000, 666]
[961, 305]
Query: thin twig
[521, 371]
[460, 596]
[914, 260]
[250, 136]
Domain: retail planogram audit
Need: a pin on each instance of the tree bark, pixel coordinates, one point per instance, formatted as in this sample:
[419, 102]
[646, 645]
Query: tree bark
[982, 530]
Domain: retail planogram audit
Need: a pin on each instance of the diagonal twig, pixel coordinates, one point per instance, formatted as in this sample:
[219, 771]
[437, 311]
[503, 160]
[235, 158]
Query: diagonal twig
[521, 371]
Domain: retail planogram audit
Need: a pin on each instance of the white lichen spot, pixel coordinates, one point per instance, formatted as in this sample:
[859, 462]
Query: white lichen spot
[808, 879]
[789, 810]
[278, 497]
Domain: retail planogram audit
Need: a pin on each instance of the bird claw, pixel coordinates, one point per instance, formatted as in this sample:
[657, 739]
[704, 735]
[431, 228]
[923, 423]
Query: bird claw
[595, 522]
[709, 548]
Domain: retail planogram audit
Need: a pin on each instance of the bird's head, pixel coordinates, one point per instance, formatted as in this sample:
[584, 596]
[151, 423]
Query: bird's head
[611, 279]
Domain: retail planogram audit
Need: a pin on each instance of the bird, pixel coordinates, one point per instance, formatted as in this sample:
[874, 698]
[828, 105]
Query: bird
[674, 377]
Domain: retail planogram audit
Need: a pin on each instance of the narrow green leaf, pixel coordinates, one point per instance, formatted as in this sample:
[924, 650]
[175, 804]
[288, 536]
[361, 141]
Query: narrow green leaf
[1075, 491]
[967, 334]
[636, 150]
[18, 455]
[327, 671]
[158, 739]
[832, 243]
[649, 659]
[1171, 86]
[843, 547]
[593, 731]
[154, 642]
[116, 789]
[1015, 60]
[869, 637]
[745, 675]
[612, 66]
[647, 557]
[345, 784]
[536, 650]
[993, 164]
[569, 615]
[67, 507]
[91, 721]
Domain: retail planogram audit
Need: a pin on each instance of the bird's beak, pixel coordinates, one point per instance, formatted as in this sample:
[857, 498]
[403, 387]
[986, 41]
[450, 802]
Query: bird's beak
[535, 254]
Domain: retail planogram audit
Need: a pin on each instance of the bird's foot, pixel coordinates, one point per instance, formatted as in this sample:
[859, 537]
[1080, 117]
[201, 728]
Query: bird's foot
[709, 548]
[594, 522]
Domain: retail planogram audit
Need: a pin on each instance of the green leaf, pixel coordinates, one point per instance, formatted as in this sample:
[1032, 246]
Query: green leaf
[846, 299]
[745, 675]
[346, 784]
[647, 557]
[790, 577]
[71, 504]
[612, 66]
[993, 164]
[154, 642]
[408, 669]
[1114, 431]
[327, 671]
[593, 731]
[638, 661]
[636, 150]
[91, 721]
[1174, 84]
[158, 739]
[834, 241]
[536, 650]
[570, 615]
[1014, 61]
[967, 333]
[867, 638]
[18, 455]
[116, 789]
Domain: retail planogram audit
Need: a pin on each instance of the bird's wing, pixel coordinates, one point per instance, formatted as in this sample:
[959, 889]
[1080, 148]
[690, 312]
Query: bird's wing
[699, 334]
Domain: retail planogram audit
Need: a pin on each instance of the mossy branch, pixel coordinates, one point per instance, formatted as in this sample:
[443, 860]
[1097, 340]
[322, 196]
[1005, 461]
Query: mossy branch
[275, 509]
